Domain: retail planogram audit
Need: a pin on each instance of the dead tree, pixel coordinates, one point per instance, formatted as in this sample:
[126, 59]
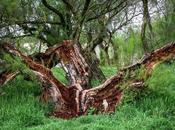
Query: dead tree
[74, 100]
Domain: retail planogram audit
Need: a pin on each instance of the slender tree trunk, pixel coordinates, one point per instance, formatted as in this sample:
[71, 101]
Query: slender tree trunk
[115, 58]
[93, 62]
[147, 45]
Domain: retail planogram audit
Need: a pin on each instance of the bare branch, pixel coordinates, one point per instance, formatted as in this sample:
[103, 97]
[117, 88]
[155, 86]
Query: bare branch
[108, 11]
[68, 4]
[55, 11]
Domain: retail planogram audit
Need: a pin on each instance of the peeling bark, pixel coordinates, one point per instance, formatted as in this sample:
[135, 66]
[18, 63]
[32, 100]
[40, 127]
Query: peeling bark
[79, 68]
[72, 61]
[75, 100]
[74, 64]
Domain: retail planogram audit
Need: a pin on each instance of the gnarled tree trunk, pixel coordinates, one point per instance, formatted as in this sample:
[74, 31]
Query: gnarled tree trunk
[74, 64]
[75, 100]
[77, 68]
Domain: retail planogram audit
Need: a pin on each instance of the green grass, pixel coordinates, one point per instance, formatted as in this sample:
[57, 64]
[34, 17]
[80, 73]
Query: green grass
[59, 74]
[154, 109]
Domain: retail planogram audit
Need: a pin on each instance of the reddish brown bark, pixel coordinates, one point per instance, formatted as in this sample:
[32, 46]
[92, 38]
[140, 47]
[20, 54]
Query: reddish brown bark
[74, 100]
[71, 59]
[74, 64]
[77, 67]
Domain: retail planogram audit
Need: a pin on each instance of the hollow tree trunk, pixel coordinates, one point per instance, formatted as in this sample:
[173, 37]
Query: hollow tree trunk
[74, 100]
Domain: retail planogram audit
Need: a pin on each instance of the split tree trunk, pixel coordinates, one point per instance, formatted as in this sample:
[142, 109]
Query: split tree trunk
[77, 68]
[74, 64]
[74, 100]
